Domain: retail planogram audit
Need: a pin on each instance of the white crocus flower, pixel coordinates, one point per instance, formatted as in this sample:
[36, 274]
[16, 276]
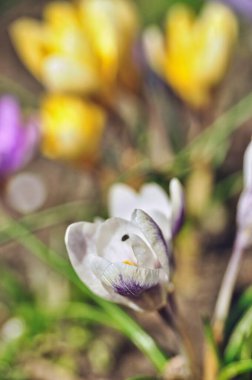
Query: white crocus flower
[167, 212]
[244, 213]
[123, 261]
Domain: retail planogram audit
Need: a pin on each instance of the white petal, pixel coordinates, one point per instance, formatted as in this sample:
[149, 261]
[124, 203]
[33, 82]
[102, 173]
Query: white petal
[156, 203]
[122, 200]
[247, 167]
[80, 243]
[154, 236]
[142, 251]
[154, 197]
[111, 240]
[163, 222]
[177, 201]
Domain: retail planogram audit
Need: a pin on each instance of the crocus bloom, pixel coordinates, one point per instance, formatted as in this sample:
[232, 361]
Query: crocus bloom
[71, 127]
[18, 138]
[242, 6]
[79, 47]
[195, 52]
[123, 261]
[167, 212]
[244, 207]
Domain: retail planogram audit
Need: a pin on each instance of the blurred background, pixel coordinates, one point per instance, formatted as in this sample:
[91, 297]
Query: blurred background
[95, 92]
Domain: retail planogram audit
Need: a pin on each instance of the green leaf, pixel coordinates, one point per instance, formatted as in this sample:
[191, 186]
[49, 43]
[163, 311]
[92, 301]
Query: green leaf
[153, 12]
[50, 217]
[235, 369]
[241, 335]
[240, 307]
[142, 377]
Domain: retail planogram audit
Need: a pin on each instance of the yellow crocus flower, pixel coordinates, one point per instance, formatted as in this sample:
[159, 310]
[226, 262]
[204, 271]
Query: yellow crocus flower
[77, 47]
[195, 52]
[72, 128]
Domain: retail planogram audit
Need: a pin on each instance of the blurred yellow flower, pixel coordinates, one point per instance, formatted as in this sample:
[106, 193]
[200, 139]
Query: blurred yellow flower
[78, 47]
[195, 52]
[71, 127]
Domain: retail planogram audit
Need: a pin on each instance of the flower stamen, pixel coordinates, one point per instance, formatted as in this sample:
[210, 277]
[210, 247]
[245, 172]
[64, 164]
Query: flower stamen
[128, 262]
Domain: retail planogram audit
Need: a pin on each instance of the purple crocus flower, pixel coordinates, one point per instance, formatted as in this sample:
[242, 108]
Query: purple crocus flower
[18, 139]
[244, 214]
[242, 6]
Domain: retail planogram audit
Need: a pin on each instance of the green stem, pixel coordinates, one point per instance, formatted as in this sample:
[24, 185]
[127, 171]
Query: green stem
[9, 85]
[209, 145]
[209, 141]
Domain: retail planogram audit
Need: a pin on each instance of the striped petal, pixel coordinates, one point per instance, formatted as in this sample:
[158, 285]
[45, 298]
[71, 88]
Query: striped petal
[154, 236]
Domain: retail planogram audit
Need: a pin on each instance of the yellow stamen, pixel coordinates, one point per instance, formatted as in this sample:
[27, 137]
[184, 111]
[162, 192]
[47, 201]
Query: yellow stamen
[128, 262]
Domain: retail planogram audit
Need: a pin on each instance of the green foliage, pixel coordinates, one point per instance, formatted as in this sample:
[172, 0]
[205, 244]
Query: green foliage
[153, 12]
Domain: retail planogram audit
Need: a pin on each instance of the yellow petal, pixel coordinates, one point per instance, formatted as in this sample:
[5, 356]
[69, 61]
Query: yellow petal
[28, 38]
[71, 128]
[198, 50]
[61, 15]
[110, 26]
[66, 74]
[98, 23]
[92, 38]
[219, 28]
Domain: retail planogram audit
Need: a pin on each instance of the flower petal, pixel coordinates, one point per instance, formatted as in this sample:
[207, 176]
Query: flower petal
[244, 207]
[128, 280]
[17, 141]
[66, 74]
[178, 205]
[247, 167]
[143, 286]
[242, 6]
[122, 200]
[101, 268]
[111, 240]
[153, 194]
[142, 251]
[154, 236]
[80, 245]
[10, 122]
[80, 240]
[28, 37]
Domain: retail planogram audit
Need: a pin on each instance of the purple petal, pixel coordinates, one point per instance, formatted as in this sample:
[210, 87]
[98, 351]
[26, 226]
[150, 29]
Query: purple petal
[10, 122]
[244, 209]
[242, 6]
[17, 141]
[130, 288]
[178, 222]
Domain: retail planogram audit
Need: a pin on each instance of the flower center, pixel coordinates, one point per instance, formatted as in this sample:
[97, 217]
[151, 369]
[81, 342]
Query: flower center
[128, 262]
